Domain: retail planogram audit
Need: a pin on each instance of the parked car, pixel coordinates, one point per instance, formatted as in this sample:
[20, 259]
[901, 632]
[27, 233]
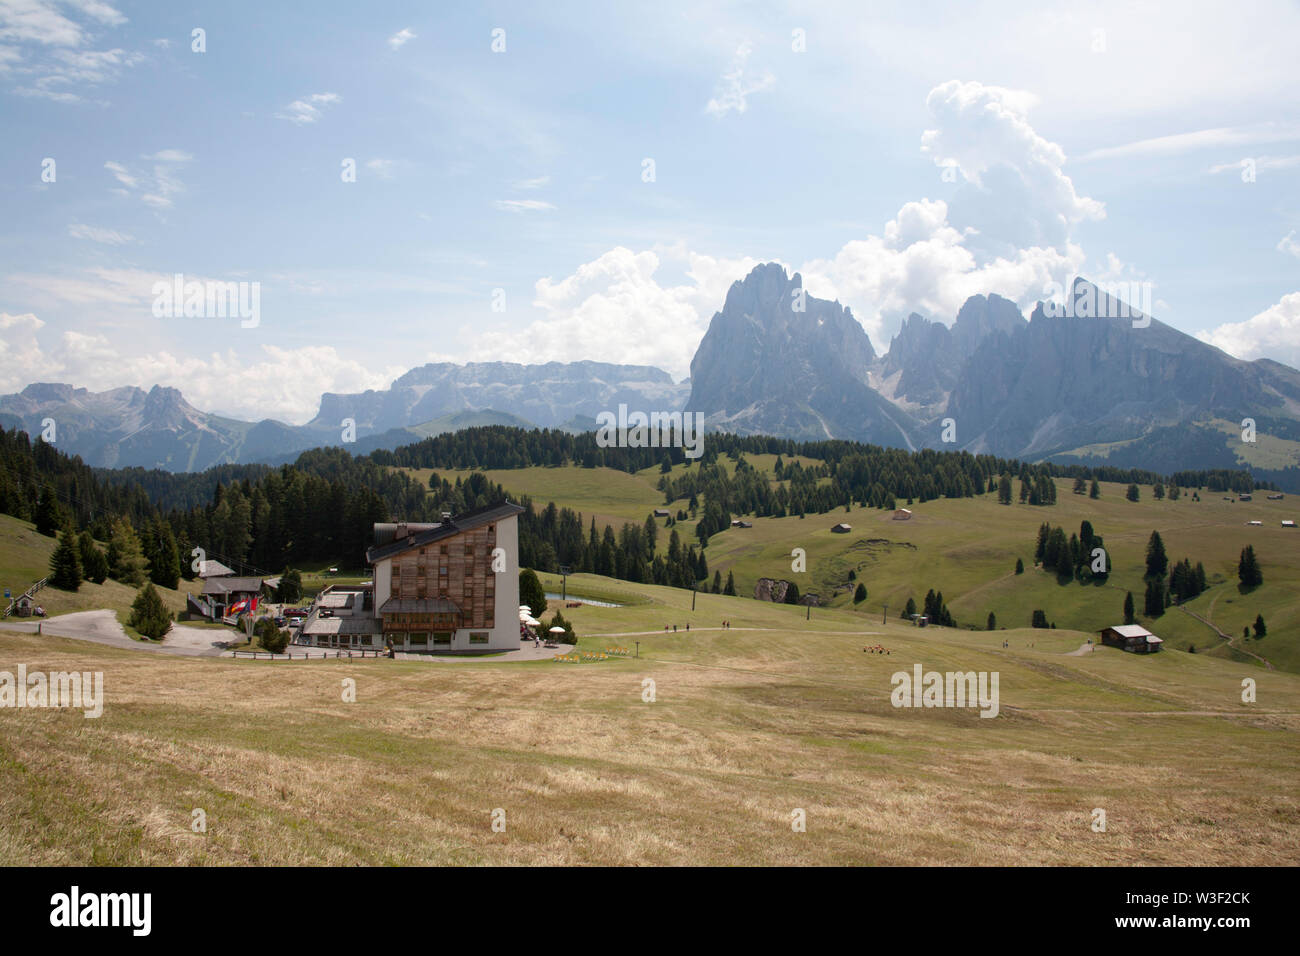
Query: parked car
[280, 621]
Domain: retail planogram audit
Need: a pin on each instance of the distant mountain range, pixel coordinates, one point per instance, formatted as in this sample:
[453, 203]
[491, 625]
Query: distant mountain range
[776, 361]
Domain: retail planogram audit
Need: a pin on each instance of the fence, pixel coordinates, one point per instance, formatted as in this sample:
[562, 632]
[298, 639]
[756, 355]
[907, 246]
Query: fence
[321, 654]
[31, 591]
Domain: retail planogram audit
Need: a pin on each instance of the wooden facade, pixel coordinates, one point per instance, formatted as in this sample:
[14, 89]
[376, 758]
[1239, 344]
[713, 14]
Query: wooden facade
[457, 569]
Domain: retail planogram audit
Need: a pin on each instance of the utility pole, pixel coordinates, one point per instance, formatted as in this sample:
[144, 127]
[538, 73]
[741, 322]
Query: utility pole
[884, 614]
[693, 593]
[638, 648]
[808, 616]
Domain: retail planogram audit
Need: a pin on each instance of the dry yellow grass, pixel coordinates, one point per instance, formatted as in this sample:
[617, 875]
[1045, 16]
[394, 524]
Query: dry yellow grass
[746, 728]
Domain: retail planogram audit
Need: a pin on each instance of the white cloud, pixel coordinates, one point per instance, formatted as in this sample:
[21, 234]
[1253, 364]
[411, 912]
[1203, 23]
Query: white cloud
[1273, 333]
[169, 156]
[614, 307]
[523, 205]
[247, 384]
[109, 237]
[734, 88]
[1016, 195]
[383, 168]
[536, 183]
[308, 109]
[400, 38]
[159, 185]
[1217, 138]
[1259, 162]
[46, 46]
[1289, 244]
[121, 174]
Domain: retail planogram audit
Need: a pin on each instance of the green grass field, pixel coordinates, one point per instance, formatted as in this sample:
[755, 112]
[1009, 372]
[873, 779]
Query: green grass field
[784, 711]
[967, 549]
[25, 559]
[746, 726]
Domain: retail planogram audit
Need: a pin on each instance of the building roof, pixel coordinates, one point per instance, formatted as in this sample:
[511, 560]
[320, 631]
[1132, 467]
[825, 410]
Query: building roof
[343, 625]
[214, 569]
[229, 584]
[1130, 630]
[419, 606]
[418, 535]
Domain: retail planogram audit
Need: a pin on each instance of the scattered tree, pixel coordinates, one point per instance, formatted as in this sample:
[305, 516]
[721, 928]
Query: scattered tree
[860, 594]
[1260, 629]
[65, 563]
[531, 592]
[149, 615]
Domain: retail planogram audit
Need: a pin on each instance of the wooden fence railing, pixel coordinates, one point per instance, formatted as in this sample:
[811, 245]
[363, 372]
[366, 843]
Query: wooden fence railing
[30, 592]
[320, 653]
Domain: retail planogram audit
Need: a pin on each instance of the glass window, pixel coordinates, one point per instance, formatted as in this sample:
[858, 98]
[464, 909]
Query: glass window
[478, 637]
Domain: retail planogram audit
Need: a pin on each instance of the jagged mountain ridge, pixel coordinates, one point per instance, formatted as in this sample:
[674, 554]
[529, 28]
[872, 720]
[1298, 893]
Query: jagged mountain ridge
[1091, 390]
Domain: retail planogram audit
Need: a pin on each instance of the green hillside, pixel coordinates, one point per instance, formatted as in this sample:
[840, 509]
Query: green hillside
[967, 549]
[25, 559]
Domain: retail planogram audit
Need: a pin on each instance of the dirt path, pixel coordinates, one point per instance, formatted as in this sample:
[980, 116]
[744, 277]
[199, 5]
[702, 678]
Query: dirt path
[101, 627]
[1232, 641]
[1085, 648]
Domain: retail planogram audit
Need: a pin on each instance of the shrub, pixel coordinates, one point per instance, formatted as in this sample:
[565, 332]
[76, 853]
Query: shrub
[149, 615]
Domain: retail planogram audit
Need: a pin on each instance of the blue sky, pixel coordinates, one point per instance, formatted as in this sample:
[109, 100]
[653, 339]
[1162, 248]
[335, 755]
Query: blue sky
[901, 158]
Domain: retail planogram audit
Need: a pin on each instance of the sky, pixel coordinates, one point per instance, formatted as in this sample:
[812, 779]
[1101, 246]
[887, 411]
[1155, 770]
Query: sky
[585, 181]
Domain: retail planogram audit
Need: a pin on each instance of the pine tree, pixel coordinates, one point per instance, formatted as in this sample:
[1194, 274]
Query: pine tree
[1260, 629]
[164, 565]
[910, 608]
[1004, 490]
[1094, 490]
[1129, 617]
[1020, 566]
[792, 593]
[149, 615]
[1157, 560]
[93, 563]
[65, 563]
[126, 562]
[1154, 603]
[1133, 494]
[860, 594]
[531, 592]
[717, 582]
[992, 622]
[1248, 569]
[49, 516]
[730, 588]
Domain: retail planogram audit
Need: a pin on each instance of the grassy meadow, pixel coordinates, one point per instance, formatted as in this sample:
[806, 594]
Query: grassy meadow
[746, 726]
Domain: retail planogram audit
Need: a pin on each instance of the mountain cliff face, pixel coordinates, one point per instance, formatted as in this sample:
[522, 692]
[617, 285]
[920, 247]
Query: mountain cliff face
[764, 367]
[549, 395]
[1057, 384]
[126, 427]
[1090, 390]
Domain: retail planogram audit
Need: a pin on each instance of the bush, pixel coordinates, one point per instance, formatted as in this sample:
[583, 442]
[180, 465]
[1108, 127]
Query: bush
[860, 594]
[531, 592]
[149, 615]
[269, 636]
[568, 637]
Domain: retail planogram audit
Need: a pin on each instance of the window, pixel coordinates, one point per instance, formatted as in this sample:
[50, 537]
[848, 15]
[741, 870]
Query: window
[478, 637]
[442, 639]
[419, 637]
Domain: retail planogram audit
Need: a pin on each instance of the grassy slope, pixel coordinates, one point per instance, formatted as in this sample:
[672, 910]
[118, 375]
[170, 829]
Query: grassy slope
[25, 559]
[747, 726]
[967, 549]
